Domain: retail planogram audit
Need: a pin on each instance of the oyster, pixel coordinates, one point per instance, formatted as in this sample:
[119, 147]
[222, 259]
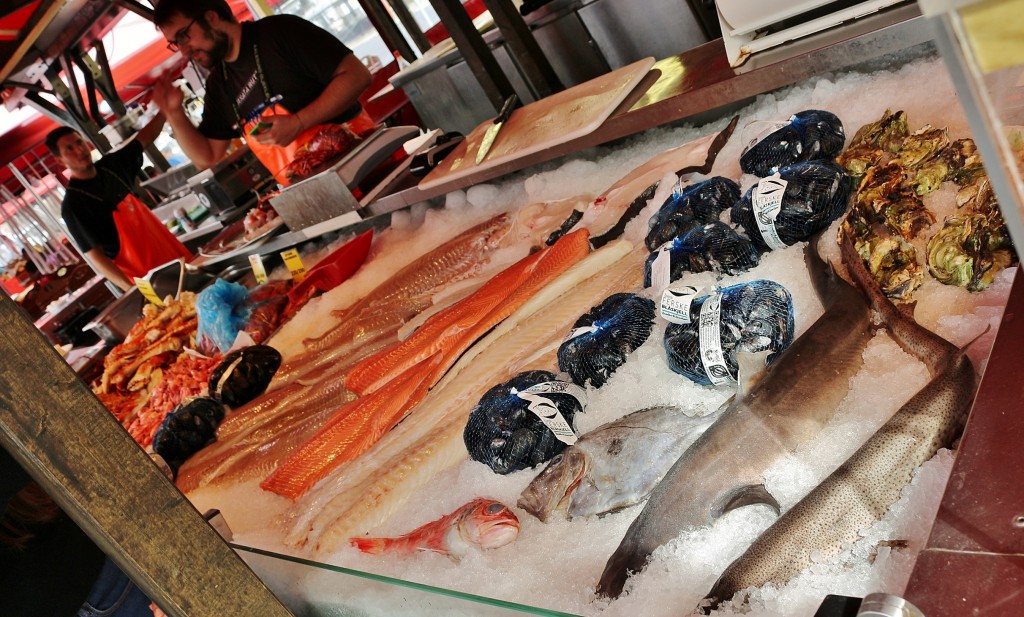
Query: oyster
[893, 263]
[924, 144]
[969, 251]
[887, 134]
[965, 166]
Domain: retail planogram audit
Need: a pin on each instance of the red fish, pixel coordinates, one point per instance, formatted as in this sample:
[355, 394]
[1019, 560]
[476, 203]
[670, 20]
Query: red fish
[482, 522]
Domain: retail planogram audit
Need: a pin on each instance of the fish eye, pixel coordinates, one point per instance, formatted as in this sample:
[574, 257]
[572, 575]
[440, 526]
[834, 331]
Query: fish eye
[494, 508]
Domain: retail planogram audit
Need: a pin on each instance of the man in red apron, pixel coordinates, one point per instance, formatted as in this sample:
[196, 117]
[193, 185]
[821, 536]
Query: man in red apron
[116, 232]
[275, 82]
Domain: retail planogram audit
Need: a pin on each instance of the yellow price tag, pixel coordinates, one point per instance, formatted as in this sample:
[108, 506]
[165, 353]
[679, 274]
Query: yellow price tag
[148, 292]
[257, 269]
[294, 263]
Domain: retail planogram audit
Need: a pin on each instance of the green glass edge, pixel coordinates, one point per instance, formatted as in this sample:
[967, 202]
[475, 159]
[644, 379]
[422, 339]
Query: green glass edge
[401, 583]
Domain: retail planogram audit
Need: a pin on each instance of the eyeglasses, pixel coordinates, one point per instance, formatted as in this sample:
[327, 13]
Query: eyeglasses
[181, 37]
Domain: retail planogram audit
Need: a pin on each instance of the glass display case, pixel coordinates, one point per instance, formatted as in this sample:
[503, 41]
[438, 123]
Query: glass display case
[983, 44]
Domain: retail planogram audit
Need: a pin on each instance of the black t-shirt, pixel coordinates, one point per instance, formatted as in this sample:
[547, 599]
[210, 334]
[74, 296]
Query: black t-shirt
[298, 60]
[88, 207]
[54, 573]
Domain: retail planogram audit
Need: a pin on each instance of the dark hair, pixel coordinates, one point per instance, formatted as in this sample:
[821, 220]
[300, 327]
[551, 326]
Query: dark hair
[54, 136]
[192, 9]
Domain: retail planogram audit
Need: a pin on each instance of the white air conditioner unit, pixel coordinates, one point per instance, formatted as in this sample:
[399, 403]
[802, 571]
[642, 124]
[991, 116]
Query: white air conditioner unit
[751, 26]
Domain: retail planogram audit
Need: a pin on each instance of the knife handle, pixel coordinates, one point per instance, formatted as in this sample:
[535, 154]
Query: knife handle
[506, 109]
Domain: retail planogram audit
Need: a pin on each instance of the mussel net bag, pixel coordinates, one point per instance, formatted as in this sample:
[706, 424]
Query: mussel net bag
[504, 434]
[713, 247]
[813, 195]
[187, 429]
[690, 206]
[809, 135]
[602, 338]
[754, 316]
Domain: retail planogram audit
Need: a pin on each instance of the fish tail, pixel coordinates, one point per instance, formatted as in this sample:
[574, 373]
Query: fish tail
[373, 546]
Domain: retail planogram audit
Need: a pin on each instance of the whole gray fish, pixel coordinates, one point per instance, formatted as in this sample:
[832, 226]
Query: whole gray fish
[790, 404]
[614, 466]
[860, 491]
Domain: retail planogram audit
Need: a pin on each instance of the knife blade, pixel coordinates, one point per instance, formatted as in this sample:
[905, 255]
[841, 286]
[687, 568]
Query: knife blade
[495, 128]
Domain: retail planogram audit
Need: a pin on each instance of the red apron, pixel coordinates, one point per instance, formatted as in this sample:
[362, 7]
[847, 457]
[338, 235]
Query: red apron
[277, 158]
[145, 242]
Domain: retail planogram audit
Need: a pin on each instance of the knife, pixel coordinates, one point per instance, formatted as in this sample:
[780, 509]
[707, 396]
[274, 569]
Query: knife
[495, 128]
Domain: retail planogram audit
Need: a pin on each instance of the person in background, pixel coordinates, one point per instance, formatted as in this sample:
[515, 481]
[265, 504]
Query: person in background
[114, 229]
[275, 82]
[48, 566]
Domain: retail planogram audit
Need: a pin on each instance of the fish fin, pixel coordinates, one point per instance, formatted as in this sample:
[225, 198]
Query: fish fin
[908, 308]
[373, 546]
[823, 273]
[747, 496]
[569, 223]
[751, 370]
[639, 203]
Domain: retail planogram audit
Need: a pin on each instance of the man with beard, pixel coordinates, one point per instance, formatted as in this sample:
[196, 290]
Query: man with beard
[275, 82]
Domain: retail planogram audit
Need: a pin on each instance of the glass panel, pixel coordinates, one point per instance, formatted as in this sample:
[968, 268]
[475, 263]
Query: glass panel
[311, 589]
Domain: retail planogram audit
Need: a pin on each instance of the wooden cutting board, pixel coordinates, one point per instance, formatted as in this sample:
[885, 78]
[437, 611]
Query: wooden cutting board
[561, 117]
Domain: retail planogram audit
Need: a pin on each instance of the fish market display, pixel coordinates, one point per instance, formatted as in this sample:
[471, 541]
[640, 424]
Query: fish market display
[690, 206]
[244, 374]
[855, 374]
[615, 465]
[792, 205]
[865, 486]
[749, 318]
[787, 407]
[483, 523]
[602, 338]
[508, 429]
[810, 135]
[414, 452]
[713, 247]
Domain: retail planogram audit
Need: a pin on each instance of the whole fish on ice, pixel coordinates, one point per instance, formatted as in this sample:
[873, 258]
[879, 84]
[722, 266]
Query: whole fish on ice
[860, 491]
[484, 523]
[790, 404]
[615, 465]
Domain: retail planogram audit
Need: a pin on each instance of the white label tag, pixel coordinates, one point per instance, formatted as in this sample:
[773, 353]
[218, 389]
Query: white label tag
[711, 354]
[580, 332]
[545, 409]
[675, 304]
[257, 268]
[766, 199]
[661, 268]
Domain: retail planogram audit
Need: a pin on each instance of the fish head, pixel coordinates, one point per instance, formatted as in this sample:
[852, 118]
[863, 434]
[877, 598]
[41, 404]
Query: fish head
[488, 524]
[552, 488]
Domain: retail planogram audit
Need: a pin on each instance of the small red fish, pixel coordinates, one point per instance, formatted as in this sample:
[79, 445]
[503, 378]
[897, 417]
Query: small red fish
[482, 522]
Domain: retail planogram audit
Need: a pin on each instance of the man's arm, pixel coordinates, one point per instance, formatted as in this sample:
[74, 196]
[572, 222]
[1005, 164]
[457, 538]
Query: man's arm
[107, 268]
[349, 81]
[148, 133]
[201, 150]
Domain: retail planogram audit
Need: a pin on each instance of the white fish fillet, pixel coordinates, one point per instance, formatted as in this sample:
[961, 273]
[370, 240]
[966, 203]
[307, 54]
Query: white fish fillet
[360, 496]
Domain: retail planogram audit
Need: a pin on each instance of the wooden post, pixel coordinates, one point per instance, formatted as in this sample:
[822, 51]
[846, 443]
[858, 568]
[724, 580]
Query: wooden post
[63, 436]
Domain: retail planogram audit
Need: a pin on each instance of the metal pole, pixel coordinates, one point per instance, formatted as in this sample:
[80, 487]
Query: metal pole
[387, 29]
[413, 28]
[474, 51]
[524, 48]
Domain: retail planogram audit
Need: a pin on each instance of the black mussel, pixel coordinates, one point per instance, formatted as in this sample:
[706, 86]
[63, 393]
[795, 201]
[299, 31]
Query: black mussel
[689, 207]
[809, 135]
[714, 247]
[503, 433]
[753, 317]
[601, 339]
[244, 374]
[813, 195]
[186, 429]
